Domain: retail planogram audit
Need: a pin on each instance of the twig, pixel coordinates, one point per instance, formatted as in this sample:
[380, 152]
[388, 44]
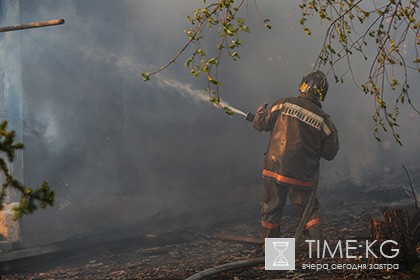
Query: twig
[412, 188]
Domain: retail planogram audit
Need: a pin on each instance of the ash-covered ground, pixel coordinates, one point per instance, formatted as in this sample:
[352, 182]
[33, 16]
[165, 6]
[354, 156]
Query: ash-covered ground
[193, 248]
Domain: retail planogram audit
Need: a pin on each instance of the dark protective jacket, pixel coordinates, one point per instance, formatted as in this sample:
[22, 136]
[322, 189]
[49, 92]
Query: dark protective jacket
[301, 134]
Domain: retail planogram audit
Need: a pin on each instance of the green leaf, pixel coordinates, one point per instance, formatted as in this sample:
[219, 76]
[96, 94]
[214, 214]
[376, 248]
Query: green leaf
[213, 61]
[215, 100]
[28, 191]
[200, 52]
[188, 62]
[240, 20]
[245, 28]
[228, 111]
[213, 81]
[145, 76]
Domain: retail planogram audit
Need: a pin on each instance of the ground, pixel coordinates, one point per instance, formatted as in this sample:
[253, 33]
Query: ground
[208, 247]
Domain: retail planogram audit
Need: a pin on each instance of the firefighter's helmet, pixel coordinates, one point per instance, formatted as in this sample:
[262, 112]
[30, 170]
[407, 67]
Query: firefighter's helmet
[316, 84]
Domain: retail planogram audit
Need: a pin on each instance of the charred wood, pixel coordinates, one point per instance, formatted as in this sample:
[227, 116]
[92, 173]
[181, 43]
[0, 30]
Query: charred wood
[396, 227]
[32, 25]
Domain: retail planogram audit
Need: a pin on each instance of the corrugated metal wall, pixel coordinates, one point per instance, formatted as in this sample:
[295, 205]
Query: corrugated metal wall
[10, 78]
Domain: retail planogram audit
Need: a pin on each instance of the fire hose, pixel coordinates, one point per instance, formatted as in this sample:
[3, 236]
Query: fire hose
[228, 266]
[308, 210]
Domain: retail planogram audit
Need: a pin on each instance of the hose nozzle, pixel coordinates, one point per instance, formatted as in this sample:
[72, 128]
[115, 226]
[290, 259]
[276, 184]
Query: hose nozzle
[250, 117]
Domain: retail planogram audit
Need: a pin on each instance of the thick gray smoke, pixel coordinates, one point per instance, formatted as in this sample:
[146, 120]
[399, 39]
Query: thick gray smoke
[118, 150]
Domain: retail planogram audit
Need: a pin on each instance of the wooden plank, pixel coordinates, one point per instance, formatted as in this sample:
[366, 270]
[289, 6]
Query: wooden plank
[231, 237]
[32, 25]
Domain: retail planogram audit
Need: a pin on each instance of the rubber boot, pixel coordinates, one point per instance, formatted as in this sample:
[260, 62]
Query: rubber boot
[269, 233]
[315, 233]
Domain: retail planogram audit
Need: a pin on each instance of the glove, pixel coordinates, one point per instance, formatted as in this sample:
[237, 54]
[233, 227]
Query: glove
[262, 107]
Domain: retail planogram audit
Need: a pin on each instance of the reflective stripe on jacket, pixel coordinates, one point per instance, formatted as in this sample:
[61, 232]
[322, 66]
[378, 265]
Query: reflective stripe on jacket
[301, 134]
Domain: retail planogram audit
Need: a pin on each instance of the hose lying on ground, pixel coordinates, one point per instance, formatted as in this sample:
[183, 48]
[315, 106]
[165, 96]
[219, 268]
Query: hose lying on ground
[228, 266]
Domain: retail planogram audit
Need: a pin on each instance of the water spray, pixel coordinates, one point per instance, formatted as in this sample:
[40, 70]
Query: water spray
[127, 65]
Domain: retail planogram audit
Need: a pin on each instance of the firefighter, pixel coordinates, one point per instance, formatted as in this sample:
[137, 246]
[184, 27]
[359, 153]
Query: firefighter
[301, 134]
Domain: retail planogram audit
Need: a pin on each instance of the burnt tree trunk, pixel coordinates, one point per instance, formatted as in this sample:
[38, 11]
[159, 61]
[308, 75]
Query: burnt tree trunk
[395, 227]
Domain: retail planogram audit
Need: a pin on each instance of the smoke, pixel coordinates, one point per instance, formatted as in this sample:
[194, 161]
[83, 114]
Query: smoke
[127, 66]
[118, 150]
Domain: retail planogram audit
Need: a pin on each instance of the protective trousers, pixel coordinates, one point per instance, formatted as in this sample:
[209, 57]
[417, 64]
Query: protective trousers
[274, 199]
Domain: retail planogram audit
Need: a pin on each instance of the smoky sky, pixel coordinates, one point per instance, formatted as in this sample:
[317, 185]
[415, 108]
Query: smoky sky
[96, 131]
